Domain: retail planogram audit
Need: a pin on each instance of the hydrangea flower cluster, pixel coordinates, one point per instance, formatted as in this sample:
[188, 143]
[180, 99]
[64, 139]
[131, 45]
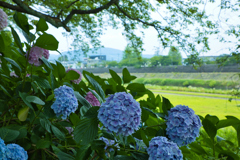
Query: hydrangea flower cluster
[108, 143]
[35, 54]
[66, 102]
[12, 151]
[162, 149]
[92, 99]
[3, 19]
[121, 114]
[76, 81]
[182, 125]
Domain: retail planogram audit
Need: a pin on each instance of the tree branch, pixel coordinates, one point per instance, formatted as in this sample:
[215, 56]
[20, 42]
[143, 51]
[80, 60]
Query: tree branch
[66, 7]
[55, 21]
[92, 11]
[12, 7]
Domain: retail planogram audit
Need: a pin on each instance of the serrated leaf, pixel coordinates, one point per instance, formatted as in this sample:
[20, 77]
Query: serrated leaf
[166, 105]
[35, 99]
[136, 87]
[86, 130]
[4, 90]
[41, 144]
[72, 75]
[23, 113]
[41, 82]
[45, 124]
[74, 119]
[61, 70]
[58, 133]
[64, 156]
[17, 40]
[92, 112]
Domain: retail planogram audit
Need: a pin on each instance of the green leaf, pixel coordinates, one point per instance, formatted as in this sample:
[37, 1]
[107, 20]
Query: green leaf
[123, 157]
[96, 86]
[97, 144]
[47, 41]
[230, 155]
[126, 76]
[23, 96]
[213, 119]
[210, 128]
[29, 36]
[17, 40]
[8, 135]
[13, 63]
[195, 147]
[115, 76]
[227, 122]
[21, 129]
[136, 87]
[42, 25]
[61, 70]
[145, 115]
[72, 75]
[92, 112]
[41, 144]
[139, 156]
[58, 133]
[48, 64]
[5, 91]
[45, 124]
[166, 105]
[35, 99]
[22, 21]
[238, 134]
[74, 118]
[23, 113]
[82, 100]
[86, 130]
[84, 152]
[64, 156]
[41, 82]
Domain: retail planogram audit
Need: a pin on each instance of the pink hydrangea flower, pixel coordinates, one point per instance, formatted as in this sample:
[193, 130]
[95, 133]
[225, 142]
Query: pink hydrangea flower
[3, 19]
[35, 54]
[92, 99]
[76, 81]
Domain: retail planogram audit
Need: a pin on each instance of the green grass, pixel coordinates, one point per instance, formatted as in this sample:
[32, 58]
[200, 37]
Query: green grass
[192, 93]
[203, 106]
[190, 89]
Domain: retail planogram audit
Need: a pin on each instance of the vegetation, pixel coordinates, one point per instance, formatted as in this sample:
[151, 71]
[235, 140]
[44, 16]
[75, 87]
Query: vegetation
[188, 82]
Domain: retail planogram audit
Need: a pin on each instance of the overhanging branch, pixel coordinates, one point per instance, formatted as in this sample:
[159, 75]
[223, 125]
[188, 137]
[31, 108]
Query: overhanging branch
[55, 21]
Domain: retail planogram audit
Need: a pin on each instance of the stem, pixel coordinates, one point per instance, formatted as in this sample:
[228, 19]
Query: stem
[213, 149]
[35, 118]
[12, 115]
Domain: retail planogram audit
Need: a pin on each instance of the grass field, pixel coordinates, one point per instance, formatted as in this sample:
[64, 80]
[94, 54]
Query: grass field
[203, 106]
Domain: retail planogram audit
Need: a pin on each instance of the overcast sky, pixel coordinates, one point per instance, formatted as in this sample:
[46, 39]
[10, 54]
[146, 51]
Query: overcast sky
[114, 38]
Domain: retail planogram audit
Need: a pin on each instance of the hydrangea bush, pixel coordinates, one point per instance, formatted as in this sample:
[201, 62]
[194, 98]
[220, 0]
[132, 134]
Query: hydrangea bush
[182, 125]
[43, 115]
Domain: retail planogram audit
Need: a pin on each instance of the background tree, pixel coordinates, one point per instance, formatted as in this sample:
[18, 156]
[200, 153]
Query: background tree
[175, 56]
[63, 58]
[86, 20]
[156, 61]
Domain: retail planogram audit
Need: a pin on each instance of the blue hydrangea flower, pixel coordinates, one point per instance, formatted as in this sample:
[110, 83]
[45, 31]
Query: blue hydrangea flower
[121, 114]
[182, 125]
[140, 144]
[16, 152]
[108, 143]
[66, 102]
[2, 150]
[162, 149]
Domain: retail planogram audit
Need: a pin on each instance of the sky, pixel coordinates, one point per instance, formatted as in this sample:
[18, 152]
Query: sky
[113, 38]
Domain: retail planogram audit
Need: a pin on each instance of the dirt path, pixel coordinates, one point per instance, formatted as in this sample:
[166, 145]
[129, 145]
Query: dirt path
[234, 99]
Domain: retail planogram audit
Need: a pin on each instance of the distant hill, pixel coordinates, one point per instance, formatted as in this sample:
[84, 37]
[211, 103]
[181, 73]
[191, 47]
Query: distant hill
[111, 54]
